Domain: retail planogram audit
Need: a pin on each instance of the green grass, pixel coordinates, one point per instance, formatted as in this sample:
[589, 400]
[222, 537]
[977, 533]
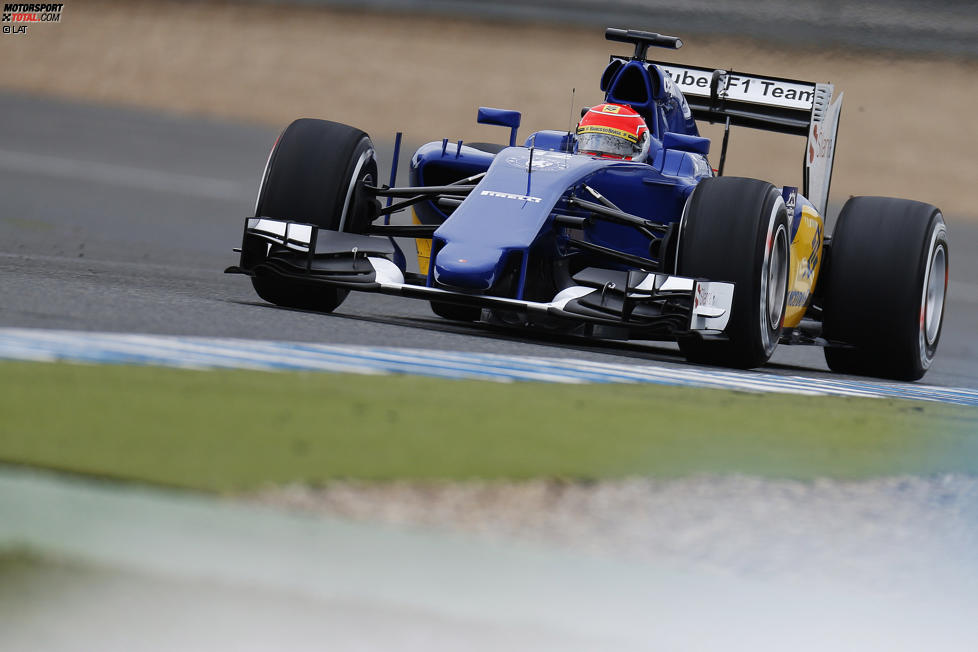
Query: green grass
[18, 558]
[238, 430]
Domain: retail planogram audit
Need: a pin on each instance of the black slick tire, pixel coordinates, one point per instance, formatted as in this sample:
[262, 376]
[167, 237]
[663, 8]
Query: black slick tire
[313, 176]
[885, 288]
[736, 230]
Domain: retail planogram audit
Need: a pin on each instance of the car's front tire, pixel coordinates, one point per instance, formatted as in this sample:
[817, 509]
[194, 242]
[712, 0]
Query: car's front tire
[315, 175]
[736, 230]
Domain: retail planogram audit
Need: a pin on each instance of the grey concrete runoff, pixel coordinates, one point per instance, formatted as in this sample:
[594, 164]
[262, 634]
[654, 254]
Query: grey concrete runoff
[138, 568]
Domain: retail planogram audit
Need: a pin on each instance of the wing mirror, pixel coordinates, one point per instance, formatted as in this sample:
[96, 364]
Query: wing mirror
[501, 118]
[684, 143]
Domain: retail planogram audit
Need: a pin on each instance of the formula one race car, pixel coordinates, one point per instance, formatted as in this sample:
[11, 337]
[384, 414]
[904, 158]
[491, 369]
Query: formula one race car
[621, 229]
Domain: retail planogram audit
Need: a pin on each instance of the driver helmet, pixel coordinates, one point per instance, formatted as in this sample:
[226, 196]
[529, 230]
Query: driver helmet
[613, 131]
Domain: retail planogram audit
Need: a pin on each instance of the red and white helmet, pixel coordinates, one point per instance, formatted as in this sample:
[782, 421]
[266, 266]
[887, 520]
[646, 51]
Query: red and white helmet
[613, 131]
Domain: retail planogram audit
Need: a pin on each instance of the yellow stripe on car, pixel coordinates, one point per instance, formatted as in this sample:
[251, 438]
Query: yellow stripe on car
[423, 246]
[806, 261]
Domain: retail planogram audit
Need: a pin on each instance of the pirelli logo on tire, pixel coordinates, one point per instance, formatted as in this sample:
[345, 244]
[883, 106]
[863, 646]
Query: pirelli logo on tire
[18, 16]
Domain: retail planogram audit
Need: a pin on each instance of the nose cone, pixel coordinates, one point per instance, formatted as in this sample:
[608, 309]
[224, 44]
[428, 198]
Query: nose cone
[469, 268]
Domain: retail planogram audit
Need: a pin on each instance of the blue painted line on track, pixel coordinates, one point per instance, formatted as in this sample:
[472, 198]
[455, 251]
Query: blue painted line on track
[228, 353]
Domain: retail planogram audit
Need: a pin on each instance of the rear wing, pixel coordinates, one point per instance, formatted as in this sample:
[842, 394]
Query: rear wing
[775, 104]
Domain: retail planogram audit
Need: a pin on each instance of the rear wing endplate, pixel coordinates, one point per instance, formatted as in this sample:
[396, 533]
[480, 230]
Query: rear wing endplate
[775, 104]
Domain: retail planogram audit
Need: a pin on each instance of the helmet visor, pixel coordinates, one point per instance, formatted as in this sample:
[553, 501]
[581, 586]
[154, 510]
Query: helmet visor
[597, 143]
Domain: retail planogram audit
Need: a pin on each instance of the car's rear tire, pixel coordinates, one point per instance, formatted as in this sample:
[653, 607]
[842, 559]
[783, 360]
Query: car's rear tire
[885, 288]
[314, 175]
[736, 230]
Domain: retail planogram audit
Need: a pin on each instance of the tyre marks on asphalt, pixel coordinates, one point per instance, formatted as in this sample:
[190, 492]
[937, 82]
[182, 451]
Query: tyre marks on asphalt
[227, 353]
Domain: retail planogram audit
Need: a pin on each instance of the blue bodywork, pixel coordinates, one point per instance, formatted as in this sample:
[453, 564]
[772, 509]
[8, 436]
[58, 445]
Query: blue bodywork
[490, 243]
[531, 232]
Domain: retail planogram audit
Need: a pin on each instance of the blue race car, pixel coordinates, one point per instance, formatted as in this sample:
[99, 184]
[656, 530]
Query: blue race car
[620, 229]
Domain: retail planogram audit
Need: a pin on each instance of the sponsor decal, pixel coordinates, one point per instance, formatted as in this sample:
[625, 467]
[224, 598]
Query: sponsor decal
[508, 195]
[17, 16]
[680, 98]
[701, 168]
[611, 108]
[745, 88]
[542, 161]
[813, 258]
[806, 250]
[819, 144]
[790, 196]
[808, 265]
[677, 96]
[704, 297]
[610, 131]
[522, 162]
[797, 299]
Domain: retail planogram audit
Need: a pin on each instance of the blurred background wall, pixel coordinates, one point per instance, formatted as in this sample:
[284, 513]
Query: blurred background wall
[908, 70]
[949, 27]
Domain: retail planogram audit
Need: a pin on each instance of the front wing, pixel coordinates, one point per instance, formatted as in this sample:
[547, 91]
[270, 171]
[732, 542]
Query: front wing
[645, 304]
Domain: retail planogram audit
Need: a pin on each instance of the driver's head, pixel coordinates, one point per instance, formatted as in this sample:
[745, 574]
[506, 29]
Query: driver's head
[613, 131]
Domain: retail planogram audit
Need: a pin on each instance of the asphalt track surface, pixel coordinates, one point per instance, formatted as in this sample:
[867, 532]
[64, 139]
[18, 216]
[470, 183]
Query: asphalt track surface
[121, 220]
